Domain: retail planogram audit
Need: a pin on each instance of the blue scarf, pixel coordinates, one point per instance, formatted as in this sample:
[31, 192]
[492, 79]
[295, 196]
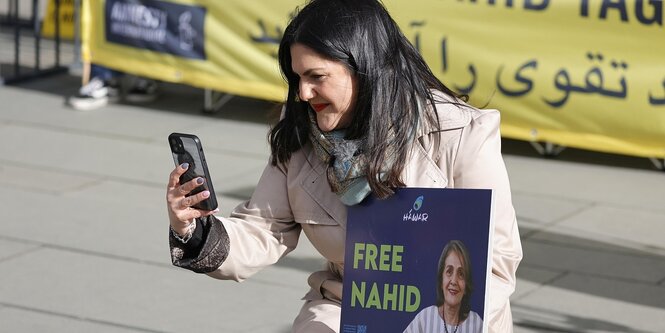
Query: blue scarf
[346, 163]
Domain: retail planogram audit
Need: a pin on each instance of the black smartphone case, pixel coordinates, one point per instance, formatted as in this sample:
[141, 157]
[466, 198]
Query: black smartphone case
[186, 148]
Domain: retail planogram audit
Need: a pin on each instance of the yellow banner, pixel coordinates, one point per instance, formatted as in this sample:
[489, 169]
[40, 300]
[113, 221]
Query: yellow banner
[66, 16]
[581, 73]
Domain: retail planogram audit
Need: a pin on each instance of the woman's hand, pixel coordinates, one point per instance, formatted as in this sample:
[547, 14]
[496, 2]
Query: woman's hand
[181, 213]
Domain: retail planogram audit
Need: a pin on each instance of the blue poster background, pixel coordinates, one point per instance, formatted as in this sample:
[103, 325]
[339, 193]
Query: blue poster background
[462, 214]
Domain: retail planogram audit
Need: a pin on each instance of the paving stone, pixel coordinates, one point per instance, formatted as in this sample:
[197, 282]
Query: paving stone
[578, 259]
[148, 297]
[9, 248]
[28, 320]
[91, 224]
[108, 214]
[565, 237]
[623, 187]
[90, 156]
[129, 121]
[48, 111]
[542, 210]
[629, 227]
[578, 303]
[530, 279]
[37, 179]
[93, 156]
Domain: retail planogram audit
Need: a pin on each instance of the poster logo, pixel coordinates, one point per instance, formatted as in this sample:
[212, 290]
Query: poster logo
[413, 215]
[418, 203]
[157, 26]
[186, 33]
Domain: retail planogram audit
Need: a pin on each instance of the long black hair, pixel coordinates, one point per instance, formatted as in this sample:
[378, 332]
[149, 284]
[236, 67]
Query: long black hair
[394, 84]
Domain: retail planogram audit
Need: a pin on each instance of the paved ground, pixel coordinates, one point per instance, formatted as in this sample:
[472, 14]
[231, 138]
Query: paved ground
[83, 229]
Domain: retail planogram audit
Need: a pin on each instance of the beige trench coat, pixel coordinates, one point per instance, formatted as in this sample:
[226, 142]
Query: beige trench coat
[297, 197]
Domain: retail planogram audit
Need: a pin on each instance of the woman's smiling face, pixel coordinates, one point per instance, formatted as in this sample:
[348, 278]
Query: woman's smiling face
[454, 280]
[327, 85]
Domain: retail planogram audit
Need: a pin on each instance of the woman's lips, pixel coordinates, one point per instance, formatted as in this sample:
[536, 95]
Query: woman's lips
[319, 107]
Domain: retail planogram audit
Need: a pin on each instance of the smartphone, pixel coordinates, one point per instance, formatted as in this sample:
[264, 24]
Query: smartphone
[187, 148]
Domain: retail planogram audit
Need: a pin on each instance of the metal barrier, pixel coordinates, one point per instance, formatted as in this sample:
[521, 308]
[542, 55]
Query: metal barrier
[15, 72]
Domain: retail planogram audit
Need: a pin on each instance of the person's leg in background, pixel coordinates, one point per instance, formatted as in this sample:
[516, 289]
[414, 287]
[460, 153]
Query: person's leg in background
[102, 88]
[141, 90]
[105, 85]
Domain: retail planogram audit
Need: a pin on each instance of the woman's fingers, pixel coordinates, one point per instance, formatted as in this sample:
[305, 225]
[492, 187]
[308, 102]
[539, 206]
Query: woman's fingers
[192, 200]
[191, 214]
[189, 186]
[174, 177]
[177, 190]
[181, 211]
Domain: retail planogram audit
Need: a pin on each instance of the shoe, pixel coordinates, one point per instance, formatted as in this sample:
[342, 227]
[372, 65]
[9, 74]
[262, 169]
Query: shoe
[96, 94]
[142, 91]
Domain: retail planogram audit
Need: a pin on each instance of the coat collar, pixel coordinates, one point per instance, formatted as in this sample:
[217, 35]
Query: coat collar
[421, 171]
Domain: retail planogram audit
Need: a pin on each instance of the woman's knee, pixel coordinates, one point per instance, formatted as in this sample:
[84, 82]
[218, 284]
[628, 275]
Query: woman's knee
[319, 316]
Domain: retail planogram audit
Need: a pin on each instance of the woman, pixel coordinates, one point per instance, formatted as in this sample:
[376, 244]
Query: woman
[364, 114]
[452, 312]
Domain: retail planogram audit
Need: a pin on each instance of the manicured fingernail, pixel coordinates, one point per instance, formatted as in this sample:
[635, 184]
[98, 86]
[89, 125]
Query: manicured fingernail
[205, 194]
[184, 165]
[199, 180]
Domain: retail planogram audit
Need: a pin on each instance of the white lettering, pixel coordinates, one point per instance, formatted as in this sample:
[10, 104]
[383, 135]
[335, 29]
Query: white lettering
[138, 15]
[415, 217]
[148, 35]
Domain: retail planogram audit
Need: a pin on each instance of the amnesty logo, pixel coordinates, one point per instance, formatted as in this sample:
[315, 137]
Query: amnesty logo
[157, 25]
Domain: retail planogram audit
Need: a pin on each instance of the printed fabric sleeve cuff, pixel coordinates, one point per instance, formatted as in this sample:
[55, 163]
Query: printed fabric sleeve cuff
[205, 251]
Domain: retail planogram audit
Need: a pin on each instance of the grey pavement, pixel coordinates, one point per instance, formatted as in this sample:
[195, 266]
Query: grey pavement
[83, 237]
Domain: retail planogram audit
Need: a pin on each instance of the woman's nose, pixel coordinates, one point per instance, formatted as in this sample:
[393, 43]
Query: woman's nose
[305, 91]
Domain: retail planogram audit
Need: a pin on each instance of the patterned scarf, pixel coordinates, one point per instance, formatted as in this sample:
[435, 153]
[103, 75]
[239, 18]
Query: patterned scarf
[346, 163]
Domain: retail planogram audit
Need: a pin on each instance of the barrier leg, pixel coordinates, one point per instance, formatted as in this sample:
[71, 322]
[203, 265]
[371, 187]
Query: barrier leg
[213, 100]
[658, 162]
[547, 149]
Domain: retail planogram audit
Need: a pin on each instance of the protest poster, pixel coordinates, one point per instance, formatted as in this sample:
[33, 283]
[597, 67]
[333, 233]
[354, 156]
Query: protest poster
[394, 260]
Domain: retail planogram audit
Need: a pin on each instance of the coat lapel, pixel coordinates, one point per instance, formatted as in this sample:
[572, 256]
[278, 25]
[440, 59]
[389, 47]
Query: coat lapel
[317, 187]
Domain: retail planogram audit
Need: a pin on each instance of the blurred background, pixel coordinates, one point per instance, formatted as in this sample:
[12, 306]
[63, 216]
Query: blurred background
[90, 91]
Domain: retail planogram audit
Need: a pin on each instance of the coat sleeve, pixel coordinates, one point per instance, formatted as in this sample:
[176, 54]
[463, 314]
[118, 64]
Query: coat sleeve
[257, 233]
[479, 164]
[261, 230]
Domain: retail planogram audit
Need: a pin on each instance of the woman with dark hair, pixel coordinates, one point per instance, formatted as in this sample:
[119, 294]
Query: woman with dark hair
[364, 114]
[452, 312]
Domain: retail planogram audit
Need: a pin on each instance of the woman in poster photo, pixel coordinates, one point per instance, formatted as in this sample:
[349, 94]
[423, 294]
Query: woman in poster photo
[452, 312]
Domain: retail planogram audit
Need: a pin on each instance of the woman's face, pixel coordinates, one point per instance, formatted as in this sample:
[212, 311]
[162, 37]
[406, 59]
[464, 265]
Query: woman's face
[454, 281]
[327, 85]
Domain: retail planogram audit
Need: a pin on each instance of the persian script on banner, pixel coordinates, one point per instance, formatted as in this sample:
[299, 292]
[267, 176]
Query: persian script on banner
[396, 276]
